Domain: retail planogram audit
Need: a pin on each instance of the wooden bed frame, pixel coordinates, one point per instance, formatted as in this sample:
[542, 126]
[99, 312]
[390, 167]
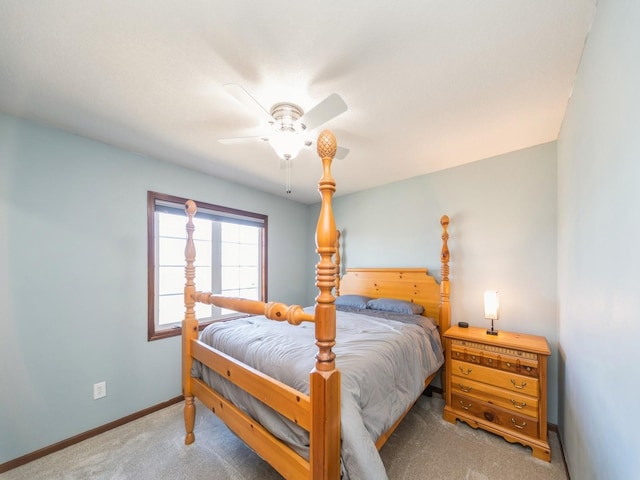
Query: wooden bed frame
[318, 412]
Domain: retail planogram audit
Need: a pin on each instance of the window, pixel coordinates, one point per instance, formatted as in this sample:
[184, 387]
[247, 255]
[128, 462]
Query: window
[230, 260]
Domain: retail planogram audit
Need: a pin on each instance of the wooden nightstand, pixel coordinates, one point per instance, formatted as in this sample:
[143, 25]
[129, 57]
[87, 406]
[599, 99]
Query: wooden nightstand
[499, 383]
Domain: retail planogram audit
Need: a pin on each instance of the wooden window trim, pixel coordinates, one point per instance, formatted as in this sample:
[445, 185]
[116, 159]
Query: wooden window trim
[152, 334]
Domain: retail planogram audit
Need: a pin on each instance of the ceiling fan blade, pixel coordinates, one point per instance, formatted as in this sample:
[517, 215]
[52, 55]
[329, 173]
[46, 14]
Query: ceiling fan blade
[329, 108]
[237, 140]
[341, 152]
[245, 98]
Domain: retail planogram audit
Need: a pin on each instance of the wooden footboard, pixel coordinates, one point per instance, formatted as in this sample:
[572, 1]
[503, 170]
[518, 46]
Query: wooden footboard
[318, 413]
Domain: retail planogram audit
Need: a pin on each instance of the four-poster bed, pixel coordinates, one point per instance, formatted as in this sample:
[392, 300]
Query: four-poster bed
[294, 422]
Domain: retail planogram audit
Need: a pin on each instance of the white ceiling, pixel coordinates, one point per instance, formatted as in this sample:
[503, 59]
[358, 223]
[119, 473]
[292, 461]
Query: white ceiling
[430, 84]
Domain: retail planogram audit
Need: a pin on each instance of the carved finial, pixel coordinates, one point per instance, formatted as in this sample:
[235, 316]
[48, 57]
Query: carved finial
[190, 207]
[327, 144]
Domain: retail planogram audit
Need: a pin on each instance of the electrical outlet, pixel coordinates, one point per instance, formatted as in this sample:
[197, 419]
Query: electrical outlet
[99, 390]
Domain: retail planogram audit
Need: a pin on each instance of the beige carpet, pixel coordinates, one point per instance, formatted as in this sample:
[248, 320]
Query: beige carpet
[423, 447]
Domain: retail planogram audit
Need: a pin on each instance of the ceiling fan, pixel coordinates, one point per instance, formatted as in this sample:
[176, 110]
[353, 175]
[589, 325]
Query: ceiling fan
[286, 124]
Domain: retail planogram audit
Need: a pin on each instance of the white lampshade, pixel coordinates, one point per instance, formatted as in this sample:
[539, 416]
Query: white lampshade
[491, 304]
[286, 144]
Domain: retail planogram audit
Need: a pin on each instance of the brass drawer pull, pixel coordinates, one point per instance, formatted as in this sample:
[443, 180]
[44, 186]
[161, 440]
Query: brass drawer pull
[473, 357]
[466, 407]
[467, 372]
[521, 386]
[465, 389]
[508, 364]
[518, 405]
[515, 424]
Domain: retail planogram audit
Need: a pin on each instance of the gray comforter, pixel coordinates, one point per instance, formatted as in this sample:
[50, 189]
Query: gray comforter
[383, 364]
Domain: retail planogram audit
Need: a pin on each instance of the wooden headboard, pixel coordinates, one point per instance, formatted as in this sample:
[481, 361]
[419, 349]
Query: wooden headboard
[410, 284]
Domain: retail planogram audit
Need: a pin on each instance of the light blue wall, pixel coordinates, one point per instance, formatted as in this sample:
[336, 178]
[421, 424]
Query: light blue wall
[598, 260]
[73, 280]
[502, 236]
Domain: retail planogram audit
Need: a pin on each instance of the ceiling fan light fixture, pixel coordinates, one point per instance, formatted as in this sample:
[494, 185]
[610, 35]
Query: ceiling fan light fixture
[286, 143]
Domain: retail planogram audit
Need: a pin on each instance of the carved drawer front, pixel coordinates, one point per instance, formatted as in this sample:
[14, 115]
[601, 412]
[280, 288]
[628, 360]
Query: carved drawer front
[473, 357]
[468, 355]
[491, 360]
[509, 364]
[491, 413]
[518, 403]
[507, 359]
[519, 365]
[511, 381]
[529, 368]
[458, 354]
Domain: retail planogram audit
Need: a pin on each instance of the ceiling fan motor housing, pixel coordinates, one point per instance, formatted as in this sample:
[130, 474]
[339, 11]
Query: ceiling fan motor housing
[285, 115]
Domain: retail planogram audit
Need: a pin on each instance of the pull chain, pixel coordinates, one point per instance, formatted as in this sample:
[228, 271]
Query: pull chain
[288, 168]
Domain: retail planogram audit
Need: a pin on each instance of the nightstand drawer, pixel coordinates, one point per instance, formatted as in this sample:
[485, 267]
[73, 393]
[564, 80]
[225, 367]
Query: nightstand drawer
[491, 413]
[491, 360]
[509, 360]
[517, 365]
[466, 355]
[518, 403]
[510, 381]
[529, 368]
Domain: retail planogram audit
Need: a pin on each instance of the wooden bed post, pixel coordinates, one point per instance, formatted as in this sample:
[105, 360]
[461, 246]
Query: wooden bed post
[189, 325]
[445, 307]
[337, 261]
[324, 378]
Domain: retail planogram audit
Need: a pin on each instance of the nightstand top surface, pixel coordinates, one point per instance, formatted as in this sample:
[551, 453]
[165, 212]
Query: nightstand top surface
[523, 341]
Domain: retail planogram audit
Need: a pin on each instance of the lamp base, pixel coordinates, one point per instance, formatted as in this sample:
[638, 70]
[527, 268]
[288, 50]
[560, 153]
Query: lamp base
[491, 331]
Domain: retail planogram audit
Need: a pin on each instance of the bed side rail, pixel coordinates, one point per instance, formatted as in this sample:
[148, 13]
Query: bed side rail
[281, 457]
[282, 398]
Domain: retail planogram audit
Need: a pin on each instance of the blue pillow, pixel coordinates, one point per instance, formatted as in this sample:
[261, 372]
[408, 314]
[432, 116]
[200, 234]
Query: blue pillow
[356, 301]
[396, 306]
